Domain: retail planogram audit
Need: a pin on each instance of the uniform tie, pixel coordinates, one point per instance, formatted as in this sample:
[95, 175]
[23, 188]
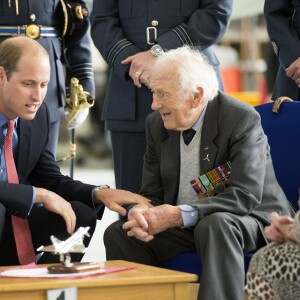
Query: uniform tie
[188, 135]
[25, 250]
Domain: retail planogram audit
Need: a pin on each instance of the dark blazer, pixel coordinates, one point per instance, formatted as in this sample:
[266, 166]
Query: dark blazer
[36, 166]
[119, 30]
[283, 25]
[231, 132]
[78, 50]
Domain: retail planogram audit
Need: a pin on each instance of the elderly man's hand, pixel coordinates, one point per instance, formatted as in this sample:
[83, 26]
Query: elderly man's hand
[144, 222]
[137, 225]
[114, 199]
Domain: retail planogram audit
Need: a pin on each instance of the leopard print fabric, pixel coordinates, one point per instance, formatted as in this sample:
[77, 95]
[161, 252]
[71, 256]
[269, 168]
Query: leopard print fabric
[274, 271]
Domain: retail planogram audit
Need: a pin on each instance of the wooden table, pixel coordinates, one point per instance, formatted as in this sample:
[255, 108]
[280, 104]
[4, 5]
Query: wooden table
[143, 282]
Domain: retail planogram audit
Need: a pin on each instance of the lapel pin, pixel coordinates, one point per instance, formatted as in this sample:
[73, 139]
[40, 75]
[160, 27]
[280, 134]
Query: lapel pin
[206, 158]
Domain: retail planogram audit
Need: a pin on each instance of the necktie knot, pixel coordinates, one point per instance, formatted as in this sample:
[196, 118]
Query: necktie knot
[188, 135]
[10, 127]
[9, 134]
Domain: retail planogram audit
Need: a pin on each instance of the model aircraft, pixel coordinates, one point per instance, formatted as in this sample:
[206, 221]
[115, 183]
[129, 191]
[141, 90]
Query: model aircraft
[74, 244]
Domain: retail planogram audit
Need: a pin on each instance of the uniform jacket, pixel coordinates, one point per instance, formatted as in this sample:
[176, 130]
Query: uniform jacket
[78, 51]
[119, 30]
[283, 25]
[231, 132]
[36, 166]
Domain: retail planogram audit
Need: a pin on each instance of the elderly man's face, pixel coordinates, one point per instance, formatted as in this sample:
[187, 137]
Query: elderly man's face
[24, 92]
[177, 113]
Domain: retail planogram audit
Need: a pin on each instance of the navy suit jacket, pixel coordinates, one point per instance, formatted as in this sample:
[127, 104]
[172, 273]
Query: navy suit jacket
[36, 166]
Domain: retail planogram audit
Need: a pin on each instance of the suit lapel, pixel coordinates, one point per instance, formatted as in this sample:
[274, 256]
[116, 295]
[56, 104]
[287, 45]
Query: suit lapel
[24, 148]
[208, 149]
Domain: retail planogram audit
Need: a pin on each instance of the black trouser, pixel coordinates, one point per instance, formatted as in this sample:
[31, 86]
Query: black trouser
[43, 224]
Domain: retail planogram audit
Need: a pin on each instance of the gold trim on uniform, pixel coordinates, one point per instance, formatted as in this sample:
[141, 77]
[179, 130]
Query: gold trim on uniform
[17, 7]
[65, 12]
[16, 4]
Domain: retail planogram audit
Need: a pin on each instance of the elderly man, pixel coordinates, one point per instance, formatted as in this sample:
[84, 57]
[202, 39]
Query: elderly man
[212, 190]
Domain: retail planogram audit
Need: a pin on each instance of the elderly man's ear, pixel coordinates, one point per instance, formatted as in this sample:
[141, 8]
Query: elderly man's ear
[198, 97]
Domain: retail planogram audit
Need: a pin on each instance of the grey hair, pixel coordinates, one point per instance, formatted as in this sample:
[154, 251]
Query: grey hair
[191, 69]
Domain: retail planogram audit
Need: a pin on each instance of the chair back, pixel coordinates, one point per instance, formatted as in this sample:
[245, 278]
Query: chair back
[283, 131]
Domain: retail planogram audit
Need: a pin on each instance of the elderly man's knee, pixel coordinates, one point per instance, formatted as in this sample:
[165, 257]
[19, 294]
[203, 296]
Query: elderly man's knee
[216, 224]
[113, 233]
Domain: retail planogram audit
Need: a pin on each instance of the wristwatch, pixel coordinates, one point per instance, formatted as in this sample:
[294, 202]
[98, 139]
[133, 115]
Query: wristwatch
[156, 50]
[99, 188]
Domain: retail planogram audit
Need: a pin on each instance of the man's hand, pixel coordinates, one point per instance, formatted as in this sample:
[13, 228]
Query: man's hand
[140, 67]
[293, 71]
[281, 229]
[143, 223]
[137, 224]
[57, 205]
[114, 199]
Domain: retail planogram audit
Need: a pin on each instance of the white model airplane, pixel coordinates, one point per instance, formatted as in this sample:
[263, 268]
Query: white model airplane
[74, 244]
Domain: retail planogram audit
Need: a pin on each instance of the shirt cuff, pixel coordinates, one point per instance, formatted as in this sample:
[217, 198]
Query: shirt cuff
[189, 215]
[33, 199]
[97, 203]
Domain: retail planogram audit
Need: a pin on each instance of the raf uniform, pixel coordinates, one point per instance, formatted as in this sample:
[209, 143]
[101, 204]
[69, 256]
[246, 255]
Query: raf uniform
[283, 25]
[47, 25]
[123, 28]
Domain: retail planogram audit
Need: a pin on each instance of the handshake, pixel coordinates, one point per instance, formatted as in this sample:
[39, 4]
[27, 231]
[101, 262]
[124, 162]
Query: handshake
[78, 103]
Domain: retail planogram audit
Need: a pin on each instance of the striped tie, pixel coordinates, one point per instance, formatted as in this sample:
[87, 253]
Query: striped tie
[21, 228]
